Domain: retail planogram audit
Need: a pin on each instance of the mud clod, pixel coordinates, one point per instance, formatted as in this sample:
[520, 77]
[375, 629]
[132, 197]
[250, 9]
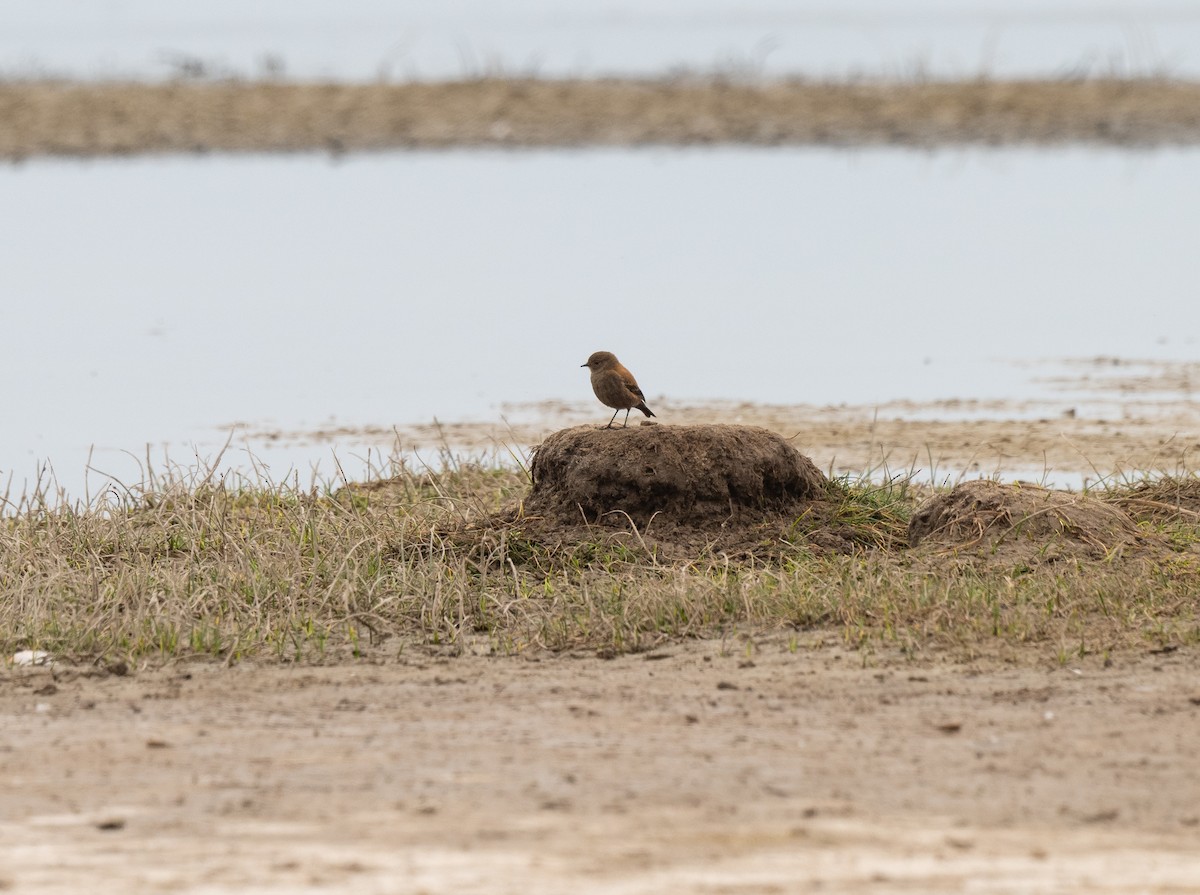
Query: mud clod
[1020, 518]
[689, 475]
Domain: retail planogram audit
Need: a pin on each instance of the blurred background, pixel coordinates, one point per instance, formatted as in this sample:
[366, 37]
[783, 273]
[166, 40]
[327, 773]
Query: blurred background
[154, 304]
[439, 39]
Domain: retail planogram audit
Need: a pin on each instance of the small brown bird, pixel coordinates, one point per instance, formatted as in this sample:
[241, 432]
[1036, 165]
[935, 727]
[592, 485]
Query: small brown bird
[615, 386]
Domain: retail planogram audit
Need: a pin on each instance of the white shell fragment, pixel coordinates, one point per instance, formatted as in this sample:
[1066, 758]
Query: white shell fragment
[32, 657]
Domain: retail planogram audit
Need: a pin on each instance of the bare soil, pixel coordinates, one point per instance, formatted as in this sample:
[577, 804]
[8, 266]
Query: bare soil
[737, 766]
[989, 513]
[674, 493]
[693, 475]
[93, 119]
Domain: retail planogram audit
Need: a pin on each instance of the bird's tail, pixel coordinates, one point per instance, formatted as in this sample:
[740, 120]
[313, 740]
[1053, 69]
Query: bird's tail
[644, 409]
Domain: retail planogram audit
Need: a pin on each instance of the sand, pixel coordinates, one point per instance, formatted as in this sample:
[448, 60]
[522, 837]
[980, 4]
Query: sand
[738, 766]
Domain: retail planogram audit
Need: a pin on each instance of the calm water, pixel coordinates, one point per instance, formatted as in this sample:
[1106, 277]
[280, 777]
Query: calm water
[155, 301]
[368, 39]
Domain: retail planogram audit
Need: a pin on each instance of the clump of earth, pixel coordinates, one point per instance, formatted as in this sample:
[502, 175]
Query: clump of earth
[679, 492]
[702, 476]
[1022, 521]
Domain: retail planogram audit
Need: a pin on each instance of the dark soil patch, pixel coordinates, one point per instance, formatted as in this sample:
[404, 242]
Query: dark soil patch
[677, 492]
[1022, 523]
[704, 477]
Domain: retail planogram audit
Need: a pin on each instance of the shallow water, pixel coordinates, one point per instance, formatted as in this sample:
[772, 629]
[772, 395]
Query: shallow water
[369, 39]
[158, 301]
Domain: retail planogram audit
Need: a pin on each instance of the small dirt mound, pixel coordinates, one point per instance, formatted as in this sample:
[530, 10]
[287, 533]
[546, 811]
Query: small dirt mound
[1025, 519]
[697, 476]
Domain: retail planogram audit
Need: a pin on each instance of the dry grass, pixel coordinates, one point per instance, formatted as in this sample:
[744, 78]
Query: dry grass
[55, 118]
[193, 565]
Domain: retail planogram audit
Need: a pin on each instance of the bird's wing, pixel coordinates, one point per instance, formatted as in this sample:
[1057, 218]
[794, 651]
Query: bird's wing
[631, 383]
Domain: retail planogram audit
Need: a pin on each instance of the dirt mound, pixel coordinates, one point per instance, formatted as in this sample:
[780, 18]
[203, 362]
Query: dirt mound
[1033, 521]
[675, 493]
[695, 476]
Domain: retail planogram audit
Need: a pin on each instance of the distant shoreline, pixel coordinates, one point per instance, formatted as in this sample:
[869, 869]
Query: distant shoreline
[78, 119]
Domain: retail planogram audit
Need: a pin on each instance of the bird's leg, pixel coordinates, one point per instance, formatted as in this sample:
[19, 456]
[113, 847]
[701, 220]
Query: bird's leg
[614, 419]
[626, 426]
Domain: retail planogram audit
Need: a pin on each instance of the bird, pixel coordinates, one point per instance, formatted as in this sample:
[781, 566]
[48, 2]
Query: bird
[615, 386]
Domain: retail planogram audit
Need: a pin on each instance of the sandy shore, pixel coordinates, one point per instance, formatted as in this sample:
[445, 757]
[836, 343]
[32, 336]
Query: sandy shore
[737, 766]
[96, 119]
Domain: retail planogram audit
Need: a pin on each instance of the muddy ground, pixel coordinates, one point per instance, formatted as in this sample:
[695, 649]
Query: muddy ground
[747, 766]
[93, 119]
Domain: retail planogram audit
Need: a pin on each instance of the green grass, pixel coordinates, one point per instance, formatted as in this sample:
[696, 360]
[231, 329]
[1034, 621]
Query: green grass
[196, 567]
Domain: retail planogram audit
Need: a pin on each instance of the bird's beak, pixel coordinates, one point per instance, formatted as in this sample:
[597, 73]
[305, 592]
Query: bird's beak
[583, 365]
